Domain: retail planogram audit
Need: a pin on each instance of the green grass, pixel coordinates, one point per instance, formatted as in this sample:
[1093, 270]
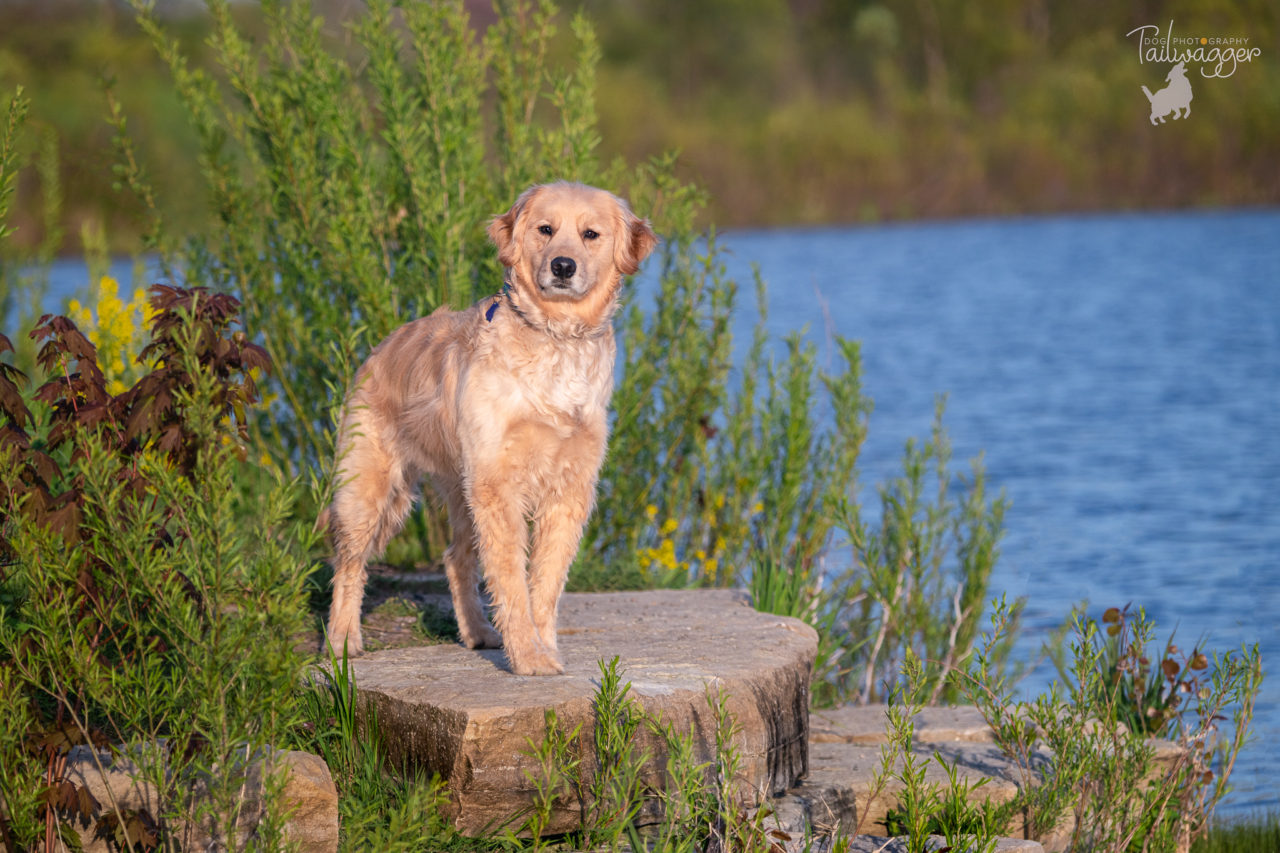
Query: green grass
[1256, 833]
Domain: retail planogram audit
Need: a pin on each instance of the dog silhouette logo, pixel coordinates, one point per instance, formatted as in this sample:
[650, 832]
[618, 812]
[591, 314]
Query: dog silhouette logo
[1172, 98]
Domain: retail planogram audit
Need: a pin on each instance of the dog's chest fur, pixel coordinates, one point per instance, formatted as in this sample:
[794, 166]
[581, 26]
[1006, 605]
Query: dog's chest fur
[570, 379]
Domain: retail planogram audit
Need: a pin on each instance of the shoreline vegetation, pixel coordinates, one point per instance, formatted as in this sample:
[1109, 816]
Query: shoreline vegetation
[163, 457]
[785, 113]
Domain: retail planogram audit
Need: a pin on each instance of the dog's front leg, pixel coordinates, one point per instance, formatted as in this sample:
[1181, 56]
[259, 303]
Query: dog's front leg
[556, 533]
[503, 536]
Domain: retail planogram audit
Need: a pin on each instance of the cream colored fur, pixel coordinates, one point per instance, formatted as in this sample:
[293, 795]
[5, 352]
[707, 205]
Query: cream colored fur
[507, 418]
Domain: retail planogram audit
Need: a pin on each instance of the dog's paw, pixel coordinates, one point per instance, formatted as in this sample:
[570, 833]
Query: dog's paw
[353, 642]
[537, 662]
[486, 637]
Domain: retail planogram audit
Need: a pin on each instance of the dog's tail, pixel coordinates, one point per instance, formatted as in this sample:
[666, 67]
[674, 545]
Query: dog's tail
[1147, 92]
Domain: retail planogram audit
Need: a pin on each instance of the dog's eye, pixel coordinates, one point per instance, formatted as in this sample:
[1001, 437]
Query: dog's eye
[589, 235]
[545, 229]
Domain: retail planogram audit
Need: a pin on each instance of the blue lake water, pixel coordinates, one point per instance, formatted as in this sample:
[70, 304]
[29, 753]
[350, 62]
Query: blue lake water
[1121, 374]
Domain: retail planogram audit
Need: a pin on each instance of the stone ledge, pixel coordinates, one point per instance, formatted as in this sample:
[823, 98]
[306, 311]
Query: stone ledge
[460, 713]
[866, 724]
[789, 828]
[837, 793]
[845, 753]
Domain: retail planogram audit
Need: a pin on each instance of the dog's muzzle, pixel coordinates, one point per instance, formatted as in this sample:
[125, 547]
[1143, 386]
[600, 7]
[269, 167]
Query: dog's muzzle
[563, 269]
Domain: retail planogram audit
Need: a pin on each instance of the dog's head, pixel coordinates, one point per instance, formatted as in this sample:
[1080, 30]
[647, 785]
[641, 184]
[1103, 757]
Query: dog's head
[1179, 70]
[567, 247]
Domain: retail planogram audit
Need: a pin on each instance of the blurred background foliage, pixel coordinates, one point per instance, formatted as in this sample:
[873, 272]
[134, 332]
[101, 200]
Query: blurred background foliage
[853, 111]
[785, 111]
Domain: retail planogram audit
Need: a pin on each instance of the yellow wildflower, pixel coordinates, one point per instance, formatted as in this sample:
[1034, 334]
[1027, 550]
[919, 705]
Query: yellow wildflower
[119, 331]
[664, 556]
[667, 554]
[651, 511]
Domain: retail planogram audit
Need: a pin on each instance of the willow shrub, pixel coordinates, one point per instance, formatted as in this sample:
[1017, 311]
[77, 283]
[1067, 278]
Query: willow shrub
[149, 602]
[352, 179]
[1105, 783]
[352, 184]
[23, 275]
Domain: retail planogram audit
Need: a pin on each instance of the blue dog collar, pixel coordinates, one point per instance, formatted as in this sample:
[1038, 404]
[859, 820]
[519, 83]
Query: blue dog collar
[497, 300]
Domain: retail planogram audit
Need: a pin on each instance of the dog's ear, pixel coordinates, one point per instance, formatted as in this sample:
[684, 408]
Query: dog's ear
[634, 242]
[506, 230]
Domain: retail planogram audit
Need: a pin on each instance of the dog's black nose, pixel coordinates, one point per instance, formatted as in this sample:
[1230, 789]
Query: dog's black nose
[563, 267]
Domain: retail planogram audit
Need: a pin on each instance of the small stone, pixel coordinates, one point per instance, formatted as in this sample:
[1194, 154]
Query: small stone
[1166, 754]
[787, 814]
[311, 803]
[309, 799]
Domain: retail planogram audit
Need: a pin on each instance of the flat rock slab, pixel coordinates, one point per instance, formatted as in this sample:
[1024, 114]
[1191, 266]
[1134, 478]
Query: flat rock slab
[880, 844]
[840, 795]
[462, 714]
[788, 828]
[867, 724]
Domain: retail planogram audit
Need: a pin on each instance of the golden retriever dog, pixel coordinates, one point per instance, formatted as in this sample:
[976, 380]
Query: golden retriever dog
[503, 407]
